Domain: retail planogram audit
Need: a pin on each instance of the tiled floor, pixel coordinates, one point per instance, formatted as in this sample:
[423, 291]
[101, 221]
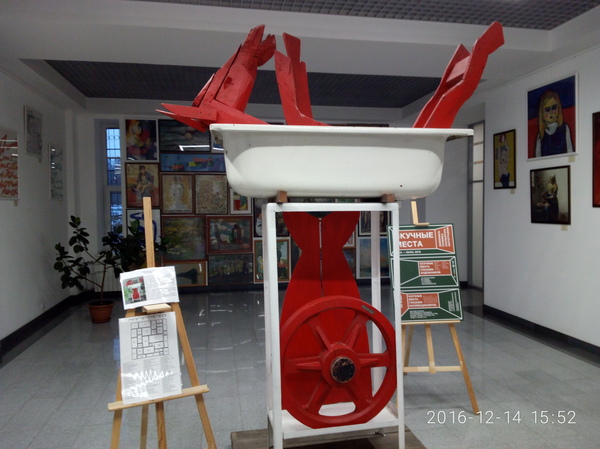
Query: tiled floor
[54, 389]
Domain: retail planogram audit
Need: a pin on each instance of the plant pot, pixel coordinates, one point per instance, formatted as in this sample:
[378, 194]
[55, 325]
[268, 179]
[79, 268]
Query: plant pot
[100, 310]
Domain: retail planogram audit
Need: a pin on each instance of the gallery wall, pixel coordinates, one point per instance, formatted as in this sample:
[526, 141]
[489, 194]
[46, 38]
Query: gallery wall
[544, 273]
[31, 225]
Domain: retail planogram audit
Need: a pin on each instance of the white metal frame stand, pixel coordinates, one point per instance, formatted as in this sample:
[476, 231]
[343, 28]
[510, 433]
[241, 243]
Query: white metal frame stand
[282, 426]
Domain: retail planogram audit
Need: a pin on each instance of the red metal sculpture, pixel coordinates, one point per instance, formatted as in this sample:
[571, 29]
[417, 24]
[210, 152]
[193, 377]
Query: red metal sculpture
[325, 350]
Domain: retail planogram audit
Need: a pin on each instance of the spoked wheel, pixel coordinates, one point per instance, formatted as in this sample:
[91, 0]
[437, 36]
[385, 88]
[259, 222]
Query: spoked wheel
[331, 368]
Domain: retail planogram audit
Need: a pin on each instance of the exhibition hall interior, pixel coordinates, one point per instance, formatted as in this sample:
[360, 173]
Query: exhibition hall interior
[322, 224]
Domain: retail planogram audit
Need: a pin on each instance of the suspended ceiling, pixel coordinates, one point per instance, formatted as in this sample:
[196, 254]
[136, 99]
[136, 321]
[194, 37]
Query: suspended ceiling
[360, 53]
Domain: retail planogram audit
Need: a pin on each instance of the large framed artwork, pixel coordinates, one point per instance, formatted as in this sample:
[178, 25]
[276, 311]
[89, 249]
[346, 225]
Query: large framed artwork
[33, 132]
[186, 237]
[175, 136]
[177, 197]
[596, 159]
[9, 165]
[211, 194]
[505, 171]
[552, 119]
[230, 269]
[192, 162]
[228, 234]
[551, 195]
[141, 181]
[140, 140]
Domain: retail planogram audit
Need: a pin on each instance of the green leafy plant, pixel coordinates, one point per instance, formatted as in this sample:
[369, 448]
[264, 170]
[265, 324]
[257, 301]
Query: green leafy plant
[120, 253]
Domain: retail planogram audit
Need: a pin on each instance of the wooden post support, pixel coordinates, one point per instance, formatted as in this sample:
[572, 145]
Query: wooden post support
[432, 367]
[195, 390]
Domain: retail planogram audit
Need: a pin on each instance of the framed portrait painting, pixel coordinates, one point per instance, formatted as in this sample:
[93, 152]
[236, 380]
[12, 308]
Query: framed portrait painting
[596, 159]
[177, 197]
[552, 119]
[141, 181]
[551, 195]
[505, 173]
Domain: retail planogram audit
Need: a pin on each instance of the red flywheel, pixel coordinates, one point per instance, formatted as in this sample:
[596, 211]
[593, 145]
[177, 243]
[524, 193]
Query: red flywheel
[330, 364]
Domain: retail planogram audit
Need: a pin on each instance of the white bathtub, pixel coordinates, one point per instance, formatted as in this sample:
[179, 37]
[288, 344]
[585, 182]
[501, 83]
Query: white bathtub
[333, 161]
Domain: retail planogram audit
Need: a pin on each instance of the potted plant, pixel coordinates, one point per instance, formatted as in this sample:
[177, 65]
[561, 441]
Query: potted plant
[120, 253]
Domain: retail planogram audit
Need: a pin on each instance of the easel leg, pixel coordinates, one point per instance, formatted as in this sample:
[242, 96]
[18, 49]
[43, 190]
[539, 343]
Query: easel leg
[430, 348]
[407, 343]
[463, 367]
[160, 425]
[116, 429]
[210, 439]
[144, 427]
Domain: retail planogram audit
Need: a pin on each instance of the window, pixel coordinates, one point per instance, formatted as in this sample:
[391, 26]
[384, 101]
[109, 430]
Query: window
[113, 178]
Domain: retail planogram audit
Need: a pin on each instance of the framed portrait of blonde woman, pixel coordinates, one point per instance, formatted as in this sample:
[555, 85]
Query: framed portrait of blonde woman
[552, 119]
[505, 167]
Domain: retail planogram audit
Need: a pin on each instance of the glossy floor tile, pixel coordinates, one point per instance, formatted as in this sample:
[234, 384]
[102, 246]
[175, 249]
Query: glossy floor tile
[54, 388]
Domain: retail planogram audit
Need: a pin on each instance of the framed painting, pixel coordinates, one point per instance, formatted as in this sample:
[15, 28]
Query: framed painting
[178, 196]
[141, 180]
[239, 204]
[281, 227]
[351, 243]
[175, 136]
[9, 165]
[138, 214]
[364, 223]
[228, 234]
[190, 274]
[230, 269]
[192, 162]
[350, 255]
[363, 257]
[211, 194]
[186, 237]
[55, 156]
[33, 132]
[596, 159]
[505, 171]
[140, 140]
[552, 119]
[283, 260]
[551, 195]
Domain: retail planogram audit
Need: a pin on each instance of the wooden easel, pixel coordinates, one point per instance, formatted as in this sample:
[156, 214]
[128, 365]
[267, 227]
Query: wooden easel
[195, 390]
[432, 367]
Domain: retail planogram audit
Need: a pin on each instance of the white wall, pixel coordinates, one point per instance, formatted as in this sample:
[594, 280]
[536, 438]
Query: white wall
[31, 226]
[542, 272]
